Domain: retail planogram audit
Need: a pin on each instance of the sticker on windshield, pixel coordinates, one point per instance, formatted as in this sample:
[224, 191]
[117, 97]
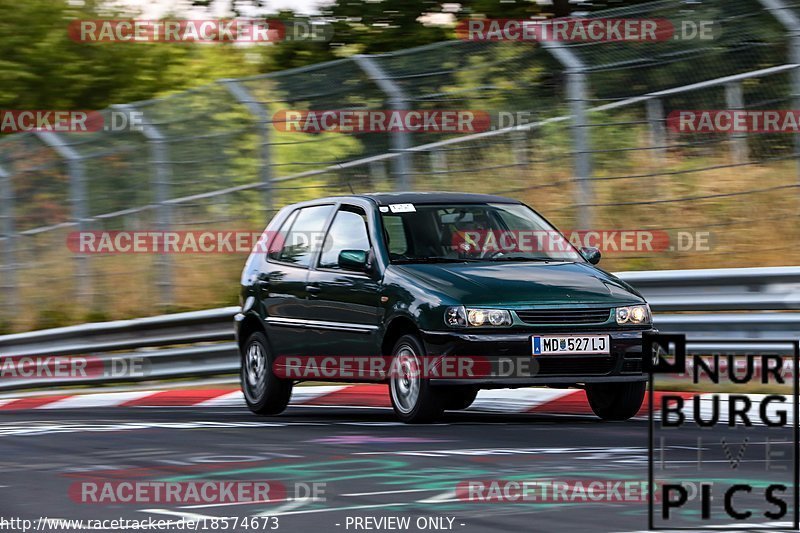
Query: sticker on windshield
[402, 208]
[383, 209]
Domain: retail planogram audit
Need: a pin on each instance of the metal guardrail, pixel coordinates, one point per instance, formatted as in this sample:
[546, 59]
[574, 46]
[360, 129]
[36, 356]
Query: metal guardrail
[201, 342]
[723, 289]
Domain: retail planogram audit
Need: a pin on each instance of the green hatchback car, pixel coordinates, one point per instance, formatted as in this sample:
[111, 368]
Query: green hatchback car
[439, 295]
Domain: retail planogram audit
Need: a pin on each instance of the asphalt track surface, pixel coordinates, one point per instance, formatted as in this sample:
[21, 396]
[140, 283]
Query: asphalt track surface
[372, 466]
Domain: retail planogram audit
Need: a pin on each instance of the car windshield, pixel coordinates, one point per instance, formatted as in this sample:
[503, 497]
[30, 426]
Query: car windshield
[471, 233]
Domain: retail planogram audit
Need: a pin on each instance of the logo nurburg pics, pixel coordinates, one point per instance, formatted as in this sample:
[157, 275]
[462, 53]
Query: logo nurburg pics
[664, 353]
[724, 439]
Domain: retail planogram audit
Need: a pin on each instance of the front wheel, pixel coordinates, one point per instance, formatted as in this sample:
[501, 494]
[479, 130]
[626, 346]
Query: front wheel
[616, 401]
[264, 393]
[414, 400]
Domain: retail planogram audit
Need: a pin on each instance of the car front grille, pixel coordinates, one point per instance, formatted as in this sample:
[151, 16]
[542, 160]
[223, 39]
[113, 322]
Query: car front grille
[564, 316]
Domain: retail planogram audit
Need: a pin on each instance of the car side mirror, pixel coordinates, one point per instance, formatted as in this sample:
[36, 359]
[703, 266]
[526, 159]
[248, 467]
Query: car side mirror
[353, 260]
[591, 254]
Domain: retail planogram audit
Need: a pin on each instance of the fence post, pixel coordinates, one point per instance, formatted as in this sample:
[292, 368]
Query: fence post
[576, 96]
[519, 145]
[160, 180]
[655, 121]
[398, 101]
[8, 278]
[734, 100]
[787, 17]
[77, 186]
[243, 96]
[438, 161]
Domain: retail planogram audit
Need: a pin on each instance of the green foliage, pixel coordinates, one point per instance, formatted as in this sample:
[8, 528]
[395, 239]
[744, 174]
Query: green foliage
[42, 68]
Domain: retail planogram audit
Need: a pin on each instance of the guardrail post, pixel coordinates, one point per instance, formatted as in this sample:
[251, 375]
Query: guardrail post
[398, 101]
[787, 17]
[519, 145]
[576, 96]
[77, 185]
[243, 96]
[8, 278]
[438, 161]
[655, 121]
[734, 100]
[377, 173]
[161, 180]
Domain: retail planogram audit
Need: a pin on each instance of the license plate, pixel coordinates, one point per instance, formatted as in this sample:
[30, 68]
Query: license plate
[570, 344]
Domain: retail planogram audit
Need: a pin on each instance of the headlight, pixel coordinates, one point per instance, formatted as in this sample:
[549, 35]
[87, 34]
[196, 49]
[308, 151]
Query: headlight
[459, 317]
[634, 314]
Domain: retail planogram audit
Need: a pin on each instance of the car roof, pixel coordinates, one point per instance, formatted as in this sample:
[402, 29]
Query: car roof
[387, 198]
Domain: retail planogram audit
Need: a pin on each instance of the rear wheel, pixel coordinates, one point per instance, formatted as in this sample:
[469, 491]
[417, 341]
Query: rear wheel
[264, 393]
[458, 397]
[414, 400]
[616, 401]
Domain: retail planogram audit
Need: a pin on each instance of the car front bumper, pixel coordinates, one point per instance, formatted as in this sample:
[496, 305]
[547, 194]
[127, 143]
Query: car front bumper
[509, 354]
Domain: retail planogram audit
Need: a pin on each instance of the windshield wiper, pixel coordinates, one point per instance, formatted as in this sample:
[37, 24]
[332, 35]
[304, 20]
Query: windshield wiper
[523, 258]
[434, 260]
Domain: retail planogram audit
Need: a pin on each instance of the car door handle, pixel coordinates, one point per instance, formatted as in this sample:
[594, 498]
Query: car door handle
[313, 289]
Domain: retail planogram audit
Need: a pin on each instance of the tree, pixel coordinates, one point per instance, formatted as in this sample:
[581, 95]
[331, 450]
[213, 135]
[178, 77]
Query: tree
[42, 68]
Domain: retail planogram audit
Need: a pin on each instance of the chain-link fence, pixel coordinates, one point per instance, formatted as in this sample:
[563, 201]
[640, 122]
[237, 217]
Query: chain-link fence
[594, 152]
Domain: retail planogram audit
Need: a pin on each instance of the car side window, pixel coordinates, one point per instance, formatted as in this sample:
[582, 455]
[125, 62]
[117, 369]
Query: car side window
[348, 232]
[303, 239]
[395, 235]
[277, 242]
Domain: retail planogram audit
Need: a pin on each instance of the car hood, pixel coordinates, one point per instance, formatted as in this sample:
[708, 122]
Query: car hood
[510, 284]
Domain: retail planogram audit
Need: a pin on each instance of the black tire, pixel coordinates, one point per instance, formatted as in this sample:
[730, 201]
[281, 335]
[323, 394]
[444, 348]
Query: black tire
[418, 407]
[616, 401]
[264, 393]
[458, 397]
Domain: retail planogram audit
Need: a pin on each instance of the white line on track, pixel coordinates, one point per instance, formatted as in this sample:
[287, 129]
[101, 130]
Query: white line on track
[183, 515]
[207, 505]
[285, 508]
[448, 496]
[405, 491]
[334, 509]
[110, 399]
